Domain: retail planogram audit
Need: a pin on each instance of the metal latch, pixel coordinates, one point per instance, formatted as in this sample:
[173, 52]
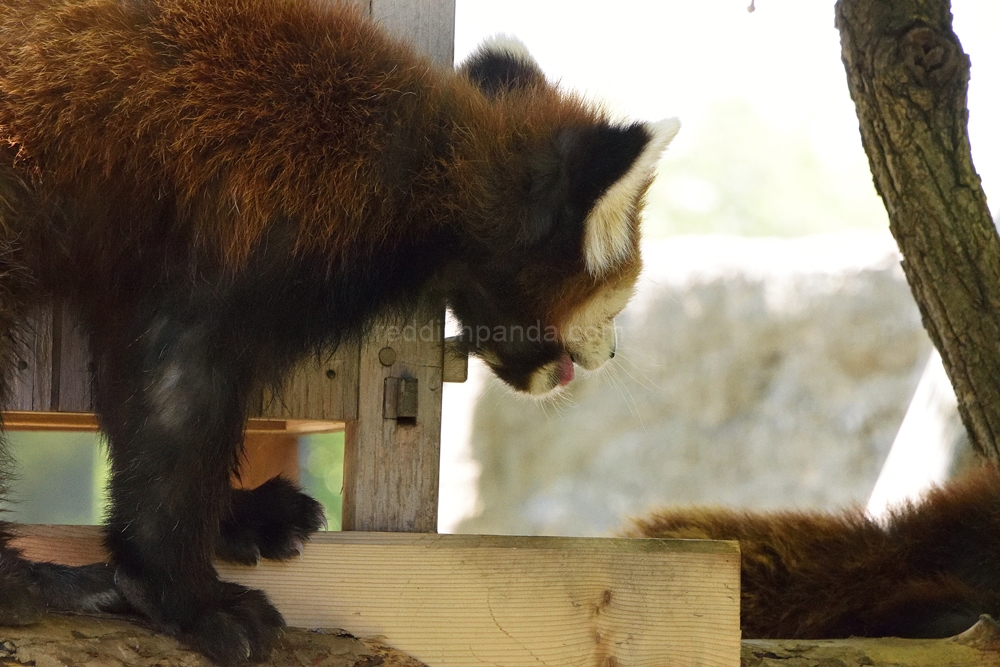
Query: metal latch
[399, 401]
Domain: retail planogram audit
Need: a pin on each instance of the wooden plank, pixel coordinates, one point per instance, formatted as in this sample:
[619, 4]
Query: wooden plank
[69, 545]
[31, 380]
[456, 361]
[72, 368]
[54, 375]
[391, 465]
[20, 420]
[511, 601]
[429, 26]
[322, 387]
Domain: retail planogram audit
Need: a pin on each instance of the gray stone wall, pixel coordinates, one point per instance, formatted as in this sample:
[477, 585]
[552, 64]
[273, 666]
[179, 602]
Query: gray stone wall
[751, 372]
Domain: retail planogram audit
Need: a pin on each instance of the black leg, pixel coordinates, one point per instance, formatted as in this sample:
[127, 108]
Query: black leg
[21, 600]
[170, 395]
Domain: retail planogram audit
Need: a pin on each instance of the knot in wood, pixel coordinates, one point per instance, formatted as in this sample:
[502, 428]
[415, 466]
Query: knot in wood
[985, 634]
[929, 57]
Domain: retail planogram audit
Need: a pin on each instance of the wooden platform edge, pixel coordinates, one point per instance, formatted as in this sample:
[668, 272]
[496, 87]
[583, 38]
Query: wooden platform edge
[25, 420]
[466, 599]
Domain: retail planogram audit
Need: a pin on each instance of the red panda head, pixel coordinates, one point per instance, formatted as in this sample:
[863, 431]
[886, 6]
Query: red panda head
[556, 252]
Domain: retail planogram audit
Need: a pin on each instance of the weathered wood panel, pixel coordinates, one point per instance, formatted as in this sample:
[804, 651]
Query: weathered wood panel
[391, 465]
[318, 388]
[31, 381]
[72, 369]
[54, 375]
[429, 26]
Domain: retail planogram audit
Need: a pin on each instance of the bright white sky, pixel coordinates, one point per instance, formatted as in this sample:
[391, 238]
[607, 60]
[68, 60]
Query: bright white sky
[655, 58]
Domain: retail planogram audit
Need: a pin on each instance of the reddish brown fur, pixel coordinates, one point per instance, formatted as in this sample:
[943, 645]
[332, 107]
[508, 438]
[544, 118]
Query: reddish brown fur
[244, 140]
[243, 143]
[218, 187]
[930, 571]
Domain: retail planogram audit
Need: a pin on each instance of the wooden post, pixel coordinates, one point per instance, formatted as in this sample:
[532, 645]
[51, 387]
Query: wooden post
[391, 458]
[391, 462]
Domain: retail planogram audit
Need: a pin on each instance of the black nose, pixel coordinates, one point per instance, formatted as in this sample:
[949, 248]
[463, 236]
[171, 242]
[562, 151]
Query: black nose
[612, 355]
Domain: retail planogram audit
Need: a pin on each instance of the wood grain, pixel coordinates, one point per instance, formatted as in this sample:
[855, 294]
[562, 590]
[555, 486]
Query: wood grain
[31, 381]
[391, 465]
[20, 420]
[323, 387]
[268, 455]
[512, 601]
[429, 26]
[71, 365]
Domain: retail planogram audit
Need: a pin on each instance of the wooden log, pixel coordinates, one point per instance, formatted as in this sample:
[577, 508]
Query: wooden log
[977, 647]
[80, 641]
[514, 601]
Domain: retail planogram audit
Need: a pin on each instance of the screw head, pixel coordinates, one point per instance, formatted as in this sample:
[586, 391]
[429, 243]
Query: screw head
[387, 356]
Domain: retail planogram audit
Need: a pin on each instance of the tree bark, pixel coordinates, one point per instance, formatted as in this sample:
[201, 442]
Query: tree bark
[82, 641]
[979, 646]
[908, 77]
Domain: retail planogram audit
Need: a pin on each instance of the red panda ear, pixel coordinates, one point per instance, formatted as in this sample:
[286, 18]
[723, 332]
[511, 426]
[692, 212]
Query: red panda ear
[620, 169]
[595, 176]
[500, 64]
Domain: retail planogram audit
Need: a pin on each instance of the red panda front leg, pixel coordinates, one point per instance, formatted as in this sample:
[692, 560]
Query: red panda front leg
[170, 394]
[271, 521]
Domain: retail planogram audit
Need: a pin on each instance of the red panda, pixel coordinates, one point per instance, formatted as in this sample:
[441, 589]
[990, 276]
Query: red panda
[219, 187]
[929, 570]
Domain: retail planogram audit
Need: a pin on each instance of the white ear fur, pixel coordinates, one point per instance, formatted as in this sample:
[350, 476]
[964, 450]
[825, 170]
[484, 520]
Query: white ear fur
[506, 44]
[607, 231]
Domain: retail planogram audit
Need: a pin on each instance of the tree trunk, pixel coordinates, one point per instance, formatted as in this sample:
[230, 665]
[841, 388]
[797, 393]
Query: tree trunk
[979, 646]
[908, 77]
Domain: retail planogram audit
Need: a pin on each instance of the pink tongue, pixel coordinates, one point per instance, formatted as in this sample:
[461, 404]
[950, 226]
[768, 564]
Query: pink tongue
[565, 370]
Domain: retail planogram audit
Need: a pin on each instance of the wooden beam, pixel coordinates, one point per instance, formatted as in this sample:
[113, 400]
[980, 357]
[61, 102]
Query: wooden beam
[456, 361]
[514, 601]
[20, 420]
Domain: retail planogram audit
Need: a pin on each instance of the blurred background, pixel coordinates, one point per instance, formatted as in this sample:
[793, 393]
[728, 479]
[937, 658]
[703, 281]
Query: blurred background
[773, 347]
